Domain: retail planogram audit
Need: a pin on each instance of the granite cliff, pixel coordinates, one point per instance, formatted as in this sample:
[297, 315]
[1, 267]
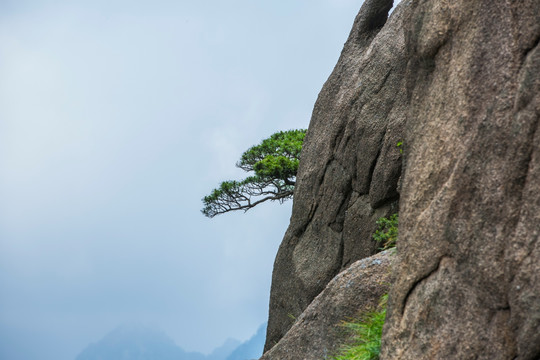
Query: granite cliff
[459, 83]
[468, 274]
[349, 168]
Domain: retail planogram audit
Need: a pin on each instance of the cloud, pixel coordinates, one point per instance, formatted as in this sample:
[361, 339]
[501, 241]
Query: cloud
[117, 117]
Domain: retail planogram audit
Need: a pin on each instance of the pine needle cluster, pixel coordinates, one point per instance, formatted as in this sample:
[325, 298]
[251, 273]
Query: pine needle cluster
[274, 163]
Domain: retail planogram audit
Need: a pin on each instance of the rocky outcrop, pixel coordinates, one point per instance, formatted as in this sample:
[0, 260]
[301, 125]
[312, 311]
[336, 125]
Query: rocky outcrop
[350, 166]
[459, 82]
[316, 333]
[468, 277]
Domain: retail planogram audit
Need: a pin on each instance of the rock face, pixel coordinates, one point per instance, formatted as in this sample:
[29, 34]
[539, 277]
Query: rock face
[350, 166]
[316, 333]
[459, 82]
[468, 274]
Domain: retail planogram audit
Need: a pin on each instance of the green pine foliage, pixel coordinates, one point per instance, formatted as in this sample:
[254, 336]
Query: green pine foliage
[276, 157]
[387, 231]
[274, 163]
[366, 333]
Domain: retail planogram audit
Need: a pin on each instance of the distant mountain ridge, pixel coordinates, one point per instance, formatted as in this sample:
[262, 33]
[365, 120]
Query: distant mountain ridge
[139, 342]
[251, 349]
[136, 342]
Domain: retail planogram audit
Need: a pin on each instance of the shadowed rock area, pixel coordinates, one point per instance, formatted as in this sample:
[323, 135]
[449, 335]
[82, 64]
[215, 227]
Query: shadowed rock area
[468, 276]
[316, 334]
[350, 167]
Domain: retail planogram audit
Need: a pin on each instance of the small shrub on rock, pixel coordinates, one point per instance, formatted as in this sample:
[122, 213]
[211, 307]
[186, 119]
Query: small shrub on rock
[387, 231]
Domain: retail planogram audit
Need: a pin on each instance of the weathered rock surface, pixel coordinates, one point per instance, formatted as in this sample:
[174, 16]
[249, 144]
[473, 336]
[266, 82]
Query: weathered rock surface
[350, 166]
[468, 276]
[462, 79]
[316, 333]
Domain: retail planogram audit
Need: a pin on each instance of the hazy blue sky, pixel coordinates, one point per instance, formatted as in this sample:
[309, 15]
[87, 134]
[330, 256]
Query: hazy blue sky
[116, 118]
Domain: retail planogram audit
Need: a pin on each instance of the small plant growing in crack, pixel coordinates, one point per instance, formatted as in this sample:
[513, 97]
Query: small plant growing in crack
[365, 335]
[387, 231]
[399, 145]
[292, 317]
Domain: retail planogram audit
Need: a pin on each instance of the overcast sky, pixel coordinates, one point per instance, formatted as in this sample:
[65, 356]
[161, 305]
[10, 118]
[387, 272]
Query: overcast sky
[116, 118]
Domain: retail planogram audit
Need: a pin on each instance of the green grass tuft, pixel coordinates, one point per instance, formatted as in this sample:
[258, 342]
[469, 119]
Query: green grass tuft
[366, 335]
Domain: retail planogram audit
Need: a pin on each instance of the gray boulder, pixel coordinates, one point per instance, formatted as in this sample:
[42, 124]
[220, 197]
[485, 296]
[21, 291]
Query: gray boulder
[316, 334]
